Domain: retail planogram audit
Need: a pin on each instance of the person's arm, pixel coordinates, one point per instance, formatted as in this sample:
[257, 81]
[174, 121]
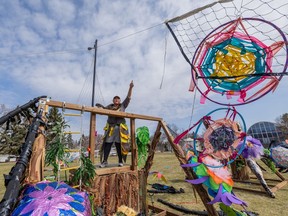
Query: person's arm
[128, 97]
[130, 89]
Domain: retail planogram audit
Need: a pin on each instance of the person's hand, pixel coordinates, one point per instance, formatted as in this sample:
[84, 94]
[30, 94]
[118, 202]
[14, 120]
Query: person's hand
[99, 105]
[131, 84]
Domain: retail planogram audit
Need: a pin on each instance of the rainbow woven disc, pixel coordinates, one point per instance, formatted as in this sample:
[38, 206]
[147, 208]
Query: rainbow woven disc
[222, 136]
[231, 62]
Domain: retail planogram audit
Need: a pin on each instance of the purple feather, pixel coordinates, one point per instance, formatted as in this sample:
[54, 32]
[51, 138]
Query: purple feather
[253, 148]
[226, 198]
[190, 165]
[217, 198]
[199, 180]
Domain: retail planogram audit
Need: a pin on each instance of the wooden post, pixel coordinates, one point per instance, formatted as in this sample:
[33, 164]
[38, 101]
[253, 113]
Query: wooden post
[92, 137]
[133, 145]
[145, 170]
[189, 172]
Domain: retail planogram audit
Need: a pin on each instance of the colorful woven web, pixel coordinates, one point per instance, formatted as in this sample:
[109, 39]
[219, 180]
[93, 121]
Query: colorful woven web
[237, 50]
[222, 137]
[231, 62]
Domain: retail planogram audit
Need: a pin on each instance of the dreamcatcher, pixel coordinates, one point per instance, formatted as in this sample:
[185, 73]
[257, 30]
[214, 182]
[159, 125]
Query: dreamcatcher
[238, 52]
[243, 58]
[232, 62]
[223, 141]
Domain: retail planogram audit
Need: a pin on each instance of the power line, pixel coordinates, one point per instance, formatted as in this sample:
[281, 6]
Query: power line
[61, 52]
[129, 35]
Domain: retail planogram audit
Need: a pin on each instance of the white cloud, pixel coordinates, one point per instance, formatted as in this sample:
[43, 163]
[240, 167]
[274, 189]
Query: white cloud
[124, 54]
[28, 37]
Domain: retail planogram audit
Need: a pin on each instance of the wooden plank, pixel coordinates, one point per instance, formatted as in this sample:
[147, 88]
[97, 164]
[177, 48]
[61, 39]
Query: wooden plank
[142, 192]
[100, 111]
[92, 137]
[133, 145]
[251, 182]
[111, 170]
[157, 210]
[72, 150]
[147, 167]
[72, 132]
[278, 186]
[267, 179]
[69, 168]
[73, 114]
[249, 189]
[189, 172]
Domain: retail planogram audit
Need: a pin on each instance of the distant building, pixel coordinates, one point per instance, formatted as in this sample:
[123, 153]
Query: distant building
[266, 132]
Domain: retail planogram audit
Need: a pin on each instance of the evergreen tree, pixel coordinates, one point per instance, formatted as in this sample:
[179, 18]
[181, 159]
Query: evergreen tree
[69, 141]
[13, 132]
[54, 118]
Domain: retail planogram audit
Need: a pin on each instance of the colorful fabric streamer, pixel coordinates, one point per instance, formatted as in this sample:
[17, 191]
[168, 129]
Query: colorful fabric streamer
[217, 180]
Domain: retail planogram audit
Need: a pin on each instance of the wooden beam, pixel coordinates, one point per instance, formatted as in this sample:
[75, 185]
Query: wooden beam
[189, 172]
[152, 149]
[278, 186]
[92, 137]
[112, 170]
[133, 145]
[101, 111]
[145, 170]
[261, 190]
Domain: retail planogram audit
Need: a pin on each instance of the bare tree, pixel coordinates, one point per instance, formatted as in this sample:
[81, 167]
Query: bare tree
[282, 124]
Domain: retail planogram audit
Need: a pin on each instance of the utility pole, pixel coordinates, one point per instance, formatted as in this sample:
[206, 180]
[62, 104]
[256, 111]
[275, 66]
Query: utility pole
[94, 74]
[93, 115]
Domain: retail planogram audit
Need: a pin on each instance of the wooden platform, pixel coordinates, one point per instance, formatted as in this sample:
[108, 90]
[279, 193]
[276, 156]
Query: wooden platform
[111, 168]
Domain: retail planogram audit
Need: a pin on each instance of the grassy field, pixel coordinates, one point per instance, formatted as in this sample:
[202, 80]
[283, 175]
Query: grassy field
[168, 165]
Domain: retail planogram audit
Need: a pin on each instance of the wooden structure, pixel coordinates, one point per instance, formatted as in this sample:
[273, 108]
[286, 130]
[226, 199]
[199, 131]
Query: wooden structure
[114, 187]
[243, 176]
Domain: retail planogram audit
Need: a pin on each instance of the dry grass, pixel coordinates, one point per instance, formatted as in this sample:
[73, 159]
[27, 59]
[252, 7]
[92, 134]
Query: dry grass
[257, 201]
[168, 165]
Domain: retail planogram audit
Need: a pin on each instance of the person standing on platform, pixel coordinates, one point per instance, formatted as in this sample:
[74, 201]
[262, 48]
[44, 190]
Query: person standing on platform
[116, 130]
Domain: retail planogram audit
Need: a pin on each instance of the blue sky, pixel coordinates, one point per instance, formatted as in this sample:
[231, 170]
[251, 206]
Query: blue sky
[43, 51]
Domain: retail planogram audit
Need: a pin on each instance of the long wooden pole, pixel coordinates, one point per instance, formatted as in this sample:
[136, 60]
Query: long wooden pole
[189, 172]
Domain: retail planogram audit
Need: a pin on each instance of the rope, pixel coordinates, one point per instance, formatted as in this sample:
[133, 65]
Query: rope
[164, 61]
[193, 107]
